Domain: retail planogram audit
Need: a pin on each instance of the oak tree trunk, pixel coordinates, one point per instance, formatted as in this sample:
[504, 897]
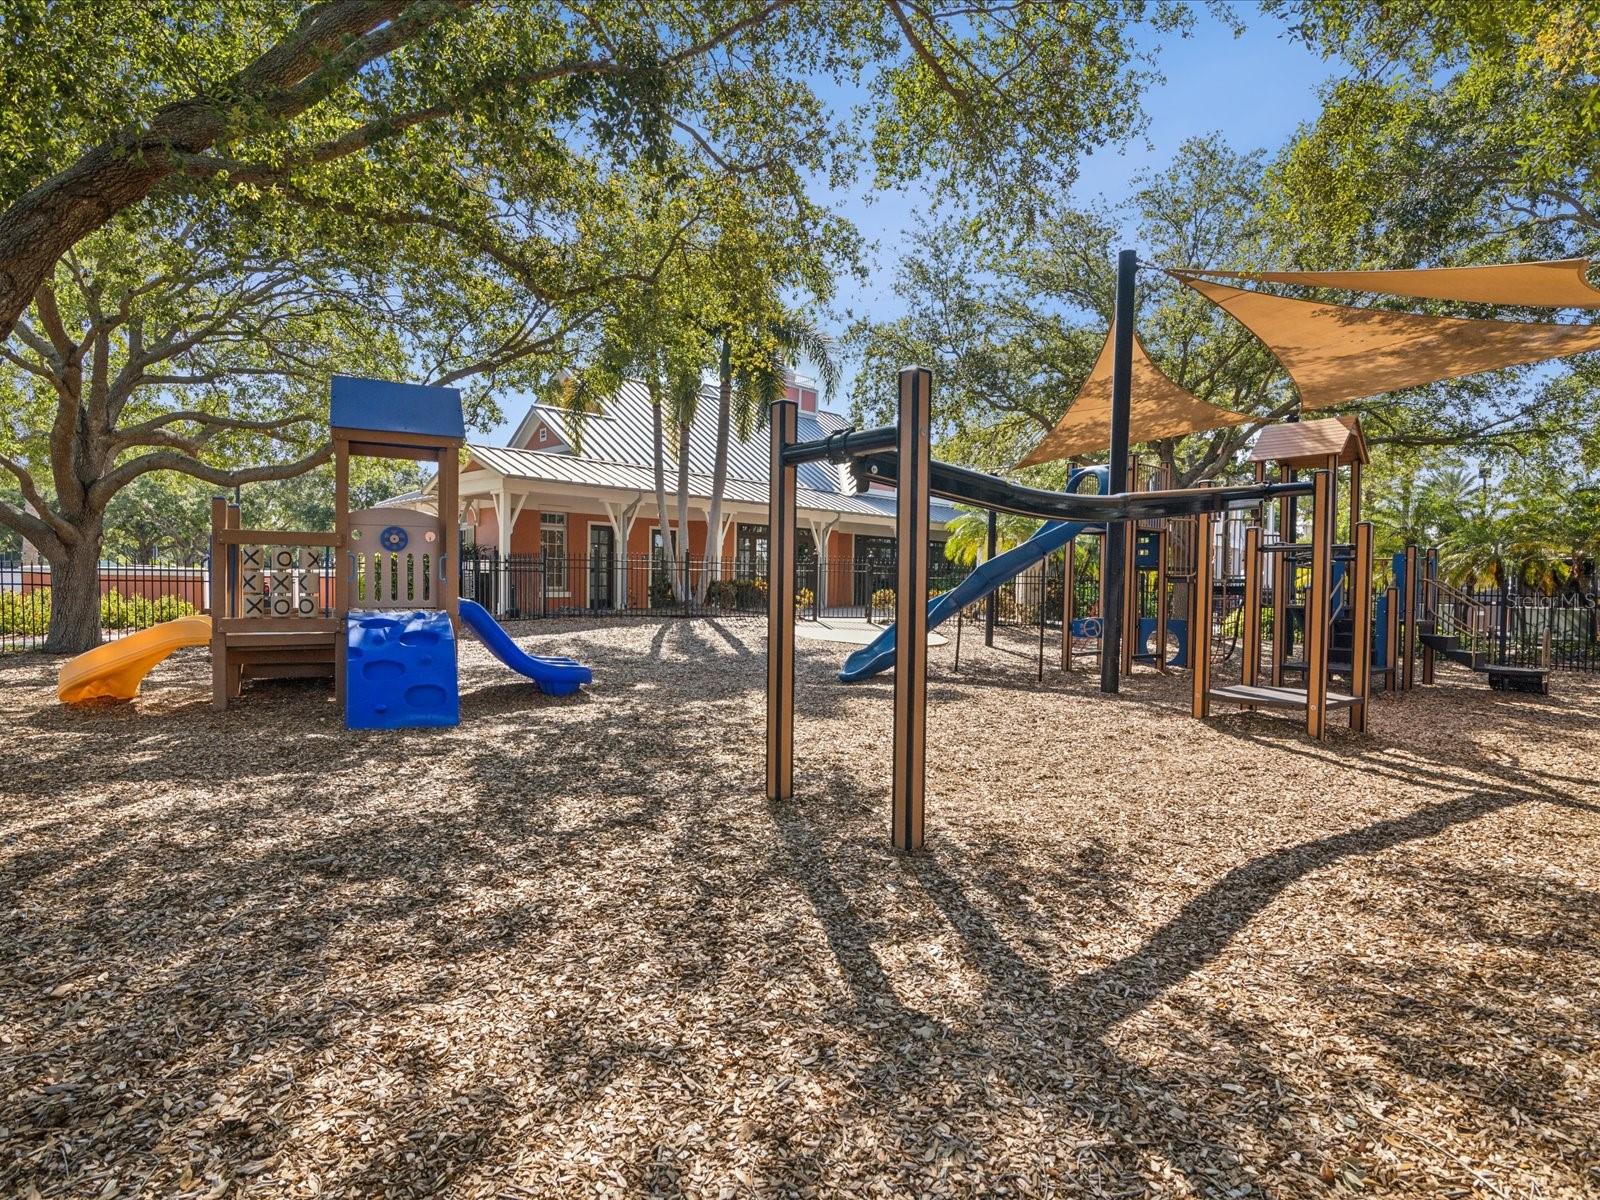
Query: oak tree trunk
[75, 594]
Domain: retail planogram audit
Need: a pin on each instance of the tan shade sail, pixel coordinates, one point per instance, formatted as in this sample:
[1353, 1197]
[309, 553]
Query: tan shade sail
[1334, 353]
[1562, 283]
[1159, 409]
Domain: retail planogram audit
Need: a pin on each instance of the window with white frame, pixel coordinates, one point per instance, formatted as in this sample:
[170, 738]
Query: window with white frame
[553, 546]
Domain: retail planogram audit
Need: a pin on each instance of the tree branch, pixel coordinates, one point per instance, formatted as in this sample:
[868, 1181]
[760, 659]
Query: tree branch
[30, 492]
[170, 460]
[32, 528]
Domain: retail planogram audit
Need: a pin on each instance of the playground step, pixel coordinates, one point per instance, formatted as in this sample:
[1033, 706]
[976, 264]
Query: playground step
[1501, 678]
[1519, 679]
[1452, 649]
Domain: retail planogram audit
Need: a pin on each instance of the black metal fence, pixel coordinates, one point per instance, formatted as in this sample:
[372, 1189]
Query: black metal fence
[537, 585]
[1528, 630]
[1511, 627]
[132, 597]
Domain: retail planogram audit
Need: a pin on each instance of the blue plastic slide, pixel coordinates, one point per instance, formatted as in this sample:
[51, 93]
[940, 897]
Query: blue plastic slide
[555, 676]
[879, 656]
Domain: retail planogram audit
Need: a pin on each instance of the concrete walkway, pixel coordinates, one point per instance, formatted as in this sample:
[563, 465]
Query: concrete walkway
[848, 631]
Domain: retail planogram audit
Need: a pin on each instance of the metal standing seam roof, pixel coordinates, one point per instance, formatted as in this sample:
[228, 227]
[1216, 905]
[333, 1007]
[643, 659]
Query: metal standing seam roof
[543, 467]
[621, 434]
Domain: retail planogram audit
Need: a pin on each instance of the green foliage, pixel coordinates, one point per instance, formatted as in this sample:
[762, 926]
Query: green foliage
[28, 614]
[969, 535]
[1466, 126]
[140, 612]
[1013, 327]
[25, 614]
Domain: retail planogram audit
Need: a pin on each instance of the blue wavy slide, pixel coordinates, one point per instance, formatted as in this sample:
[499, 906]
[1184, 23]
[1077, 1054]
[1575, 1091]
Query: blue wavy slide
[985, 578]
[555, 676]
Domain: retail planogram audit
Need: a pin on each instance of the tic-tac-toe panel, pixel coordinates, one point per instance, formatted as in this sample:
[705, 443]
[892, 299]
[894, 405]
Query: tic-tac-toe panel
[253, 582]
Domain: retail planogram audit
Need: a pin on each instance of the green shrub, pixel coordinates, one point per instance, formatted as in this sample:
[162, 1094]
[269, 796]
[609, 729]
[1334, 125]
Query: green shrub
[170, 608]
[25, 615]
[140, 612]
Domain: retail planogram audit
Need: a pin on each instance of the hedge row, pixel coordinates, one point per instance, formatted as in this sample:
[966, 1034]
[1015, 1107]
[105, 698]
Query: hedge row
[29, 615]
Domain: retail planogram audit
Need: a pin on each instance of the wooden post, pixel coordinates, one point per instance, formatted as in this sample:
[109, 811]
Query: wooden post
[1283, 581]
[219, 597]
[449, 567]
[1319, 605]
[1408, 633]
[1391, 639]
[1361, 621]
[1250, 664]
[343, 564]
[1159, 642]
[1068, 584]
[1200, 618]
[911, 611]
[1429, 568]
[780, 605]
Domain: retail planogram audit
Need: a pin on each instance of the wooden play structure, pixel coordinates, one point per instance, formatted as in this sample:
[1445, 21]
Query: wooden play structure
[372, 606]
[899, 455]
[280, 599]
[1336, 577]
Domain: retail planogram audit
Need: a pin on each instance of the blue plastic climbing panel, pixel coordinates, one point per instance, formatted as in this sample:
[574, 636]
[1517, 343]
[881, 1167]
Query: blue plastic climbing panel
[400, 671]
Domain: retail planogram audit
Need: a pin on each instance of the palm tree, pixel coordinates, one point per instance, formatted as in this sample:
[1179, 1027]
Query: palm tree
[969, 535]
[746, 391]
[1476, 553]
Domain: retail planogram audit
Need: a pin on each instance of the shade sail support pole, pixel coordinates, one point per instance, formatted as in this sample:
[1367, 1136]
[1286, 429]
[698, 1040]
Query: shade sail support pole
[1117, 475]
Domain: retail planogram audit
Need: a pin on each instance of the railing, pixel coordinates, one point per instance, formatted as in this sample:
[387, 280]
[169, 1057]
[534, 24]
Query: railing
[133, 596]
[533, 586]
[1513, 628]
[269, 579]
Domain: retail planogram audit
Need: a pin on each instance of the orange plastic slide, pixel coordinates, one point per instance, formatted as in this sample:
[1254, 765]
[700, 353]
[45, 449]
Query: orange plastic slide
[115, 670]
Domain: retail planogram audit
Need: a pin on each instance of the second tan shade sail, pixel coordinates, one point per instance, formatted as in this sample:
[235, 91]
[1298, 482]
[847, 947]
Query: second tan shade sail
[1159, 409]
[1560, 283]
[1334, 353]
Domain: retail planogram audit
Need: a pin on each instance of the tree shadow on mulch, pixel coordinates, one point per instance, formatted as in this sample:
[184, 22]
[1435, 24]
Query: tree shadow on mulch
[1198, 1129]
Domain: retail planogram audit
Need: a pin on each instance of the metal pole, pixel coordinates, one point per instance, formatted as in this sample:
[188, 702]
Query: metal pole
[780, 606]
[1117, 481]
[1068, 584]
[911, 611]
[988, 603]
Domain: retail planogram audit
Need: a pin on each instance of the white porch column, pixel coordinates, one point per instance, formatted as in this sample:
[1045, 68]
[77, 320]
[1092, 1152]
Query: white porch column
[621, 520]
[502, 537]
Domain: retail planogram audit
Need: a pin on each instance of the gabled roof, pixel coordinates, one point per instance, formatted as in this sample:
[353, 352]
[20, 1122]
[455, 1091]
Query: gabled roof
[620, 434]
[383, 406]
[1311, 443]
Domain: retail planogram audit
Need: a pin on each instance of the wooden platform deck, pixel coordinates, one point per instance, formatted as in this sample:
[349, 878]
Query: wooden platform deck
[1275, 697]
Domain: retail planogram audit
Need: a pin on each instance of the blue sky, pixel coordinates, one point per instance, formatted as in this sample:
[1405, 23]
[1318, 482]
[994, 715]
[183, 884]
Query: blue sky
[1256, 89]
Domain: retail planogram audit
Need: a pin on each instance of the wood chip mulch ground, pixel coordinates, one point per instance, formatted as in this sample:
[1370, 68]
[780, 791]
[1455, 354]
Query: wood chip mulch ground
[568, 949]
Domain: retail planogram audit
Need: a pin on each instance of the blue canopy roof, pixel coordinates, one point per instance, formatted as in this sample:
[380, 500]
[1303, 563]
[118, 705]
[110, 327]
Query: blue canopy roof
[381, 406]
